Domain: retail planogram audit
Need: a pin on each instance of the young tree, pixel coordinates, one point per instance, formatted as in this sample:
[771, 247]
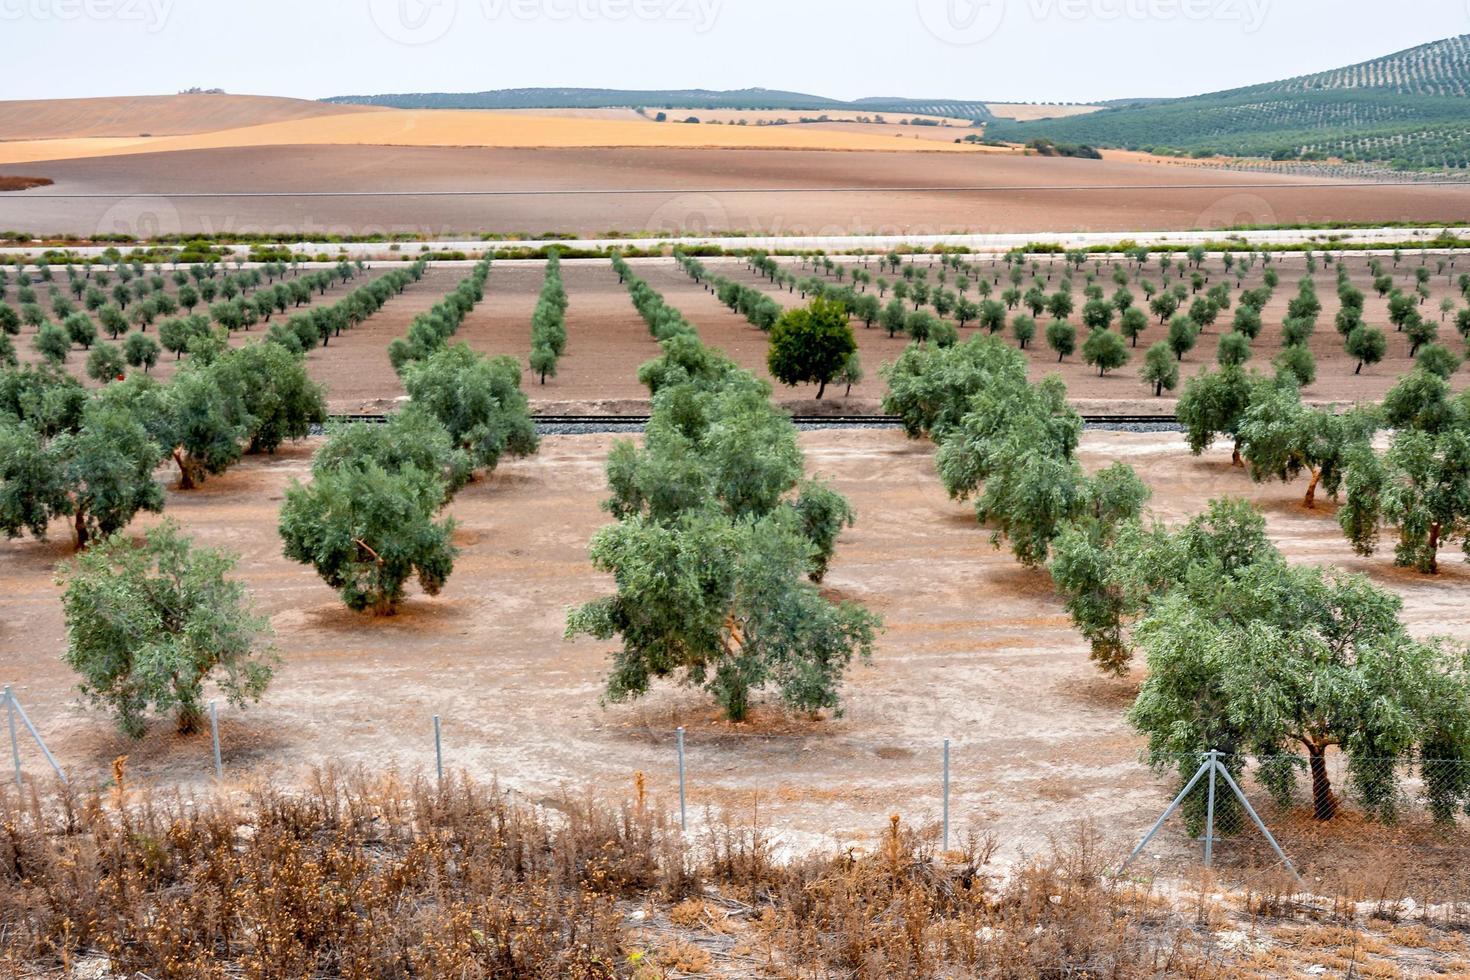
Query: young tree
[105, 363]
[1133, 323]
[141, 350]
[1061, 337]
[1105, 351]
[52, 343]
[1297, 364]
[1367, 345]
[149, 624]
[1160, 369]
[1234, 350]
[1182, 336]
[811, 345]
[1023, 328]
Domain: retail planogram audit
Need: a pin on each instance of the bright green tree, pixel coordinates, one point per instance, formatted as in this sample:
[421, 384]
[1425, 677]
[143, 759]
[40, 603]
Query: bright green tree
[810, 345]
[148, 625]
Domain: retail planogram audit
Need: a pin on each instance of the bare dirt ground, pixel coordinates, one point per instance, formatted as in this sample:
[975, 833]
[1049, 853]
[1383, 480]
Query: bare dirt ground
[776, 193]
[977, 649]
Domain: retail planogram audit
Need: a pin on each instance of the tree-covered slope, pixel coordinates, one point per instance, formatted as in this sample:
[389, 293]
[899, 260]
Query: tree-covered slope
[1410, 109]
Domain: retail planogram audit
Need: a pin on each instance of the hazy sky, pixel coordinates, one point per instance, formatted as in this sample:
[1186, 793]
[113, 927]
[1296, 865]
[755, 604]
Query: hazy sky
[1032, 50]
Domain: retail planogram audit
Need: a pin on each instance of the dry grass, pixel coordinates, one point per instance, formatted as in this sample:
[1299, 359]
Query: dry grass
[376, 877]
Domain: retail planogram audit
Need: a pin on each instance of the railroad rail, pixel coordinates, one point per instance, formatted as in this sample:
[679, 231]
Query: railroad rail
[807, 421]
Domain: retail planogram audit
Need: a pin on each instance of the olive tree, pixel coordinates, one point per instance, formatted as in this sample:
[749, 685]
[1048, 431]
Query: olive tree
[1421, 487]
[367, 530]
[1277, 661]
[477, 399]
[148, 625]
[811, 345]
[1281, 438]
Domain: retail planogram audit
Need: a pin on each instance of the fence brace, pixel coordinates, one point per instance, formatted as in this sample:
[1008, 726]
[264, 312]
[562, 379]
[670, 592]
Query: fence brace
[1213, 767]
[13, 708]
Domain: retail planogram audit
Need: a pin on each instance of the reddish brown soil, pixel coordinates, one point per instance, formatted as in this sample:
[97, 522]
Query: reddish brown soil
[1203, 199]
[23, 183]
[977, 649]
[158, 115]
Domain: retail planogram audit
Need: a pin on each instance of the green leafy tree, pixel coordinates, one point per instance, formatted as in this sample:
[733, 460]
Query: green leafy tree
[1105, 351]
[1183, 334]
[1281, 438]
[1437, 360]
[1213, 404]
[1421, 487]
[1061, 337]
[98, 474]
[1160, 369]
[52, 343]
[105, 363]
[1368, 346]
[478, 400]
[141, 350]
[1133, 323]
[1234, 350]
[367, 531]
[148, 625]
[1023, 328]
[930, 389]
[278, 396]
[811, 345]
[1280, 660]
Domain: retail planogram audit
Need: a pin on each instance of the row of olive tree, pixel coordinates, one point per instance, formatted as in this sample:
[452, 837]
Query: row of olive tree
[549, 321]
[719, 542]
[369, 520]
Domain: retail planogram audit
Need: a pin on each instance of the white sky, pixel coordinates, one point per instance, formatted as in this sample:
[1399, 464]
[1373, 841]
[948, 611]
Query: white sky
[1024, 50]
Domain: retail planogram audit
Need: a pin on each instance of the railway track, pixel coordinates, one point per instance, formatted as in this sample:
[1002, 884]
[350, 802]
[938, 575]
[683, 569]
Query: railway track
[615, 422]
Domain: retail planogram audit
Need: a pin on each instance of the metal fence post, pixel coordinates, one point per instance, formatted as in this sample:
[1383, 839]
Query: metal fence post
[438, 751]
[219, 766]
[946, 796]
[1210, 810]
[683, 811]
[14, 742]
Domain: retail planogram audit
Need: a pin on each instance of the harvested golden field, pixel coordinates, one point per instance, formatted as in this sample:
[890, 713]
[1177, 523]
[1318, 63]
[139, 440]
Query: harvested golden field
[445, 127]
[156, 115]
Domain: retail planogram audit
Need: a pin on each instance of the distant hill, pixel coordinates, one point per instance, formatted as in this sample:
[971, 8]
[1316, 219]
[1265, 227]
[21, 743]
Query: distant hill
[599, 98]
[155, 115]
[1410, 109]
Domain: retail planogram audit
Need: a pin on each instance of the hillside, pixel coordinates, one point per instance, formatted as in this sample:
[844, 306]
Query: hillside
[153, 115]
[1410, 109]
[599, 98]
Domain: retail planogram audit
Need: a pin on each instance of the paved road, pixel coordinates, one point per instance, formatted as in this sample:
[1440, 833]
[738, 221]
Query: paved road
[883, 243]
